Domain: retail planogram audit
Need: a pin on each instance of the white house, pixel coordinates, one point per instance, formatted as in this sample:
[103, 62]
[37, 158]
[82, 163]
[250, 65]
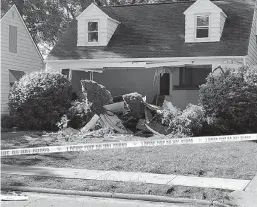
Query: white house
[19, 53]
[163, 49]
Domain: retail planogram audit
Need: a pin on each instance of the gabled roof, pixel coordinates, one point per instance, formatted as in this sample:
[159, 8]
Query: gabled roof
[158, 30]
[208, 2]
[5, 9]
[20, 17]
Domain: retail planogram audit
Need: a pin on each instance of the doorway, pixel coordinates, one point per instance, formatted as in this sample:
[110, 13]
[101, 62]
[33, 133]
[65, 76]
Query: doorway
[165, 84]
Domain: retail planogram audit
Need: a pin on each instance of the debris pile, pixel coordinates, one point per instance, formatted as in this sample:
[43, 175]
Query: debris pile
[126, 115]
[96, 94]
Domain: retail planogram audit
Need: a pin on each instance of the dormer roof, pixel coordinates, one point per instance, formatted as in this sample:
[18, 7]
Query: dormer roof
[207, 5]
[106, 13]
[158, 30]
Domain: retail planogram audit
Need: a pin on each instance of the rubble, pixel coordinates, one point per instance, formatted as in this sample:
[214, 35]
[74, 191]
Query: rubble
[134, 102]
[96, 94]
[116, 107]
[110, 120]
[91, 124]
[124, 115]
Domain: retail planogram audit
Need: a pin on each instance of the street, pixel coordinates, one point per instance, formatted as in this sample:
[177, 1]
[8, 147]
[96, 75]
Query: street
[44, 200]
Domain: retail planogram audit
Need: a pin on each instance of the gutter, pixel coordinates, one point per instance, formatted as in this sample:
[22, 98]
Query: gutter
[150, 198]
[146, 59]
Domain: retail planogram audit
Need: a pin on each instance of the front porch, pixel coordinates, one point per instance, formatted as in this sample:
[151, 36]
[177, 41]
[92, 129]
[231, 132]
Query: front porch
[176, 80]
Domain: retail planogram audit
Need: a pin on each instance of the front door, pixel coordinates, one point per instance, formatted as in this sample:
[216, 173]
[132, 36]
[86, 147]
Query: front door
[165, 84]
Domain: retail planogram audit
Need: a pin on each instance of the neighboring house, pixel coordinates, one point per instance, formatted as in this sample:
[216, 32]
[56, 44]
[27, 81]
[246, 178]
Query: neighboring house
[157, 49]
[19, 53]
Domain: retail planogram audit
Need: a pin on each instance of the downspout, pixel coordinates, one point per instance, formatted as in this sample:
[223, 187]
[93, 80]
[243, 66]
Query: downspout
[244, 60]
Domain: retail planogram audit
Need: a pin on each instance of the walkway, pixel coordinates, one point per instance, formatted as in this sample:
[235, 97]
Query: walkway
[191, 181]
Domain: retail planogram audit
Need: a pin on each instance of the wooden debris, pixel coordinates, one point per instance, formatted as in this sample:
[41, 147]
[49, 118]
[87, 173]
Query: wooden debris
[116, 107]
[91, 124]
[112, 121]
[153, 131]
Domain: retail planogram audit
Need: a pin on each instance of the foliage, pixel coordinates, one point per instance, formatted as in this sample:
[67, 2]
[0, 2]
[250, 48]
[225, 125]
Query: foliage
[230, 99]
[39, 99]
[187, 122]
[46, 20]
[79, 114]
[97, 94]
[8, 122]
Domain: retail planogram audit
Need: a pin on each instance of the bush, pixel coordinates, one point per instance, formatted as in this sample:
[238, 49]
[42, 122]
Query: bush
[96, 94]
[187, 122]
[79, 114]
[230, 99]
[39, 99]
[8, 122]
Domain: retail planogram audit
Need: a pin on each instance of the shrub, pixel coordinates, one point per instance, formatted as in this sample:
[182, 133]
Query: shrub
[191, 120]
[187, 122]
[39, 99]
[169, 113]
[96, 94]
[79, 114]
[230, 99]
[8, 122]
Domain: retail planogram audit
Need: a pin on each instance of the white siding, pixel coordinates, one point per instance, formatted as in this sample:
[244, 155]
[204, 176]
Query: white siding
[26, 59]
[252, 48]
[217, 21]
[111, 27]
[214, 33]
[106, 26]
[222, 22]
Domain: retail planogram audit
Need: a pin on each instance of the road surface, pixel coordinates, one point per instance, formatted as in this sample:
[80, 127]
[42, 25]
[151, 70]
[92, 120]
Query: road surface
[54, 200]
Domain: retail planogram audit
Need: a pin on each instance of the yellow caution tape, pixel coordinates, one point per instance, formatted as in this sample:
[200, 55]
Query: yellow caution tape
[128, 144]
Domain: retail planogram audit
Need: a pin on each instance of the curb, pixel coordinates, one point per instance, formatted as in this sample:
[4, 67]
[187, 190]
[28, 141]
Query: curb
[151, 198]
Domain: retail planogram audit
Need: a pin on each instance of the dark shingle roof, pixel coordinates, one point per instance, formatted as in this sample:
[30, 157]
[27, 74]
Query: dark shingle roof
[158, 30]
[4, 8]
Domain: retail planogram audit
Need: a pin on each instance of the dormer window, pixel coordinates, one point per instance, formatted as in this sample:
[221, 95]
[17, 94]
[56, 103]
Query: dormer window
[202, 26]
[92, 31]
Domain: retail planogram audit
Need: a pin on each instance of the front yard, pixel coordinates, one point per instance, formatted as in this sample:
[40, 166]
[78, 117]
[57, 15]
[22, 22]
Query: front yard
[225, 160]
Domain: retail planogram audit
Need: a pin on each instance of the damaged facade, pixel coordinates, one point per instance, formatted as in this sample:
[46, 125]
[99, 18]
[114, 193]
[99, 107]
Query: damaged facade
[158, 49]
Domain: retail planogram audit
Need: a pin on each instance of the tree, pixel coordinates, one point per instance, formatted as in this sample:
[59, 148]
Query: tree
[46, 20]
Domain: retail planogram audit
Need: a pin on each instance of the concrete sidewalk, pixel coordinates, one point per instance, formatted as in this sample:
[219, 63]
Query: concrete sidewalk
[219, 183]
[246, 198]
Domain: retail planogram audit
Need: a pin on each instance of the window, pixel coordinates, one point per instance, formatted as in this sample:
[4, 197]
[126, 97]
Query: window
[92, 31]
[202, 26]
[12, 39]
[191, 77]
[66, 73]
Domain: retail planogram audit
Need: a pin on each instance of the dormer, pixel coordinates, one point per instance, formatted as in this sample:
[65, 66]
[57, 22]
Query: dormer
[204, 22]
[95, 27]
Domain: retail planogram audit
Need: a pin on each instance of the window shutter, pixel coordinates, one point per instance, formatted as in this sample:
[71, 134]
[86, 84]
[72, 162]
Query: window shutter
[12, 39]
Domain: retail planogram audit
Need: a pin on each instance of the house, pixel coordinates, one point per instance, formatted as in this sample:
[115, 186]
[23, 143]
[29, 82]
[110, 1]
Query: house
[165, 49]
[19, 53]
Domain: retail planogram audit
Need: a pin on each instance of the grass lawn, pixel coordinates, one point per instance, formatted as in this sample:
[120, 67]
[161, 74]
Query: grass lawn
[225, 160]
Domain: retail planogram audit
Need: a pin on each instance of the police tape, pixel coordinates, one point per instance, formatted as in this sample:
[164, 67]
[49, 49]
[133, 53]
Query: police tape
[128, 144]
